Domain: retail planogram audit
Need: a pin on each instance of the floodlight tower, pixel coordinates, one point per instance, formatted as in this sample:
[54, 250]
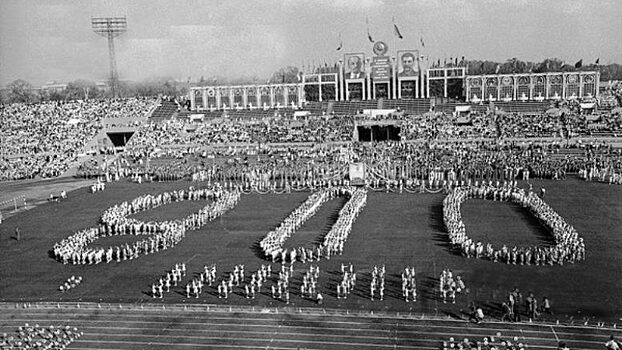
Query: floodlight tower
[110, 27]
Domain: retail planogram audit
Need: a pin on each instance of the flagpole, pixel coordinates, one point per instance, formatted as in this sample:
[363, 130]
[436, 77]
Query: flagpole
[395, 59]
[421, 75]
[393, 64]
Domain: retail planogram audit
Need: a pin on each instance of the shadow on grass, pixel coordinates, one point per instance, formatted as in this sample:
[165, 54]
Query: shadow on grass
[440, 236]
[256, 249]
[542, 232]
[436, 217]
[429, 288]
[51, 254]
[331, 220]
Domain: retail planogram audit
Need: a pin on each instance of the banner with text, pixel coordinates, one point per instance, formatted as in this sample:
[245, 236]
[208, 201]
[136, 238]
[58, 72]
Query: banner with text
[381, 69]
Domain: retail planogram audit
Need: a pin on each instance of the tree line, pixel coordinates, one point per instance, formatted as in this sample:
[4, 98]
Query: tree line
[608, 72]
[21, 91]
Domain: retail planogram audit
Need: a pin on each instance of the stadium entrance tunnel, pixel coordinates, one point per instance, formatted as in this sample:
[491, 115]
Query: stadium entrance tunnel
[120, 139]
[369, 133]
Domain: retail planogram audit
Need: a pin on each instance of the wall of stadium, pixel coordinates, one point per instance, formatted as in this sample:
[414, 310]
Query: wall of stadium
[385, 79]
[356, 77]
[212, 98]
[532, 86]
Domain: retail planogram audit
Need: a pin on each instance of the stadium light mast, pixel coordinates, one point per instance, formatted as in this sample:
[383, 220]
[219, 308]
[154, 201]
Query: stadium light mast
[110, 28]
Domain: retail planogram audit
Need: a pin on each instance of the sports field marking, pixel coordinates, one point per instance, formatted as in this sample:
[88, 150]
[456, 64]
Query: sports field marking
[555, 334]
[296, 341]
[414, 324]
[322, 322]
[191, 258]
[192, 314]
[201, 345]
[360, 330]
[435, 335]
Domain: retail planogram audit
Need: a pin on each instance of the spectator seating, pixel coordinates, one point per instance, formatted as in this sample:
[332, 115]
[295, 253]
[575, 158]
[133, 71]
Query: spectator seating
[164, 111]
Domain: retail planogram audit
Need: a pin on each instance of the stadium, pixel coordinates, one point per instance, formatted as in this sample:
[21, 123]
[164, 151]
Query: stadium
[392, 198]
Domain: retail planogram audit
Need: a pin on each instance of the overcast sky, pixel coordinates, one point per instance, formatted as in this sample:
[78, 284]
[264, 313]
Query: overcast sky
[42, 40]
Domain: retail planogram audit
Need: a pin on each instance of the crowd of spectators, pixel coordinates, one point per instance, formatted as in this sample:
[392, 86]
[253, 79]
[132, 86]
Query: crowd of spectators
[268, 130]
[392, 162]
[526, 126]
[446, 126]
[44, 139]
[334, 129]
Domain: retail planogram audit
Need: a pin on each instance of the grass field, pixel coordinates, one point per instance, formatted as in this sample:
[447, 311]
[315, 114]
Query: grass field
[393, 229]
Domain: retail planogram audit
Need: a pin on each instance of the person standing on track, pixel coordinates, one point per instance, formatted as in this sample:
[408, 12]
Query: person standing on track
[612, 344]
[546, 306]
[508, 314]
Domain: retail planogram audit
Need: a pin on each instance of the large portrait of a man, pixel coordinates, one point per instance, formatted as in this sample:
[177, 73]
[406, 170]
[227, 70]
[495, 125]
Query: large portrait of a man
[407, 63]
[355, 66]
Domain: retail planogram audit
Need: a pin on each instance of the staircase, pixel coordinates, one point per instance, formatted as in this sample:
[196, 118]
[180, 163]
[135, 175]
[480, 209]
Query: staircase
[164, 111]
[329, 108]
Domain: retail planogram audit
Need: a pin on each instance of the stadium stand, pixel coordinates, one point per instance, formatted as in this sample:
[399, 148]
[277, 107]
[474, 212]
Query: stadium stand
[164, 111]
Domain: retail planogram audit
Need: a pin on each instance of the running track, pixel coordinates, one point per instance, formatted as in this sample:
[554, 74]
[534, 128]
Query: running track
[130, 326]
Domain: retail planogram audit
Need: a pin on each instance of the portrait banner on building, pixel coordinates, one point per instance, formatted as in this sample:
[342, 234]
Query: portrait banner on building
[354, 66]
[407, 64]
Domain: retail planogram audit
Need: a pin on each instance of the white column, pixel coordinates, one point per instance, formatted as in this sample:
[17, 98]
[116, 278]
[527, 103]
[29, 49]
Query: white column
[547, 86]
[396, 93]
[340, 95]
[597, 84]
[272, 102]
[367, 94]
[218, 99]
[192, 102]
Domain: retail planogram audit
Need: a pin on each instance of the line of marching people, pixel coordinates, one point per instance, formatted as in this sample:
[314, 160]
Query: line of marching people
[450, 285]
[172, 277]
[238, 281]
[569, 246]
[158, 235]
[334, 241]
